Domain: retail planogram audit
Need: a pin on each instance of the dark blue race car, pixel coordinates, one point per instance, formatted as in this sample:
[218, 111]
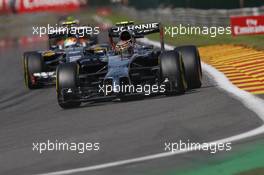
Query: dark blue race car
[129, 68]
[40, 66]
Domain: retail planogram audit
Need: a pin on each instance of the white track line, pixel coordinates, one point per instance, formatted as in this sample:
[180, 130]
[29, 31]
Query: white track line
[250, 101]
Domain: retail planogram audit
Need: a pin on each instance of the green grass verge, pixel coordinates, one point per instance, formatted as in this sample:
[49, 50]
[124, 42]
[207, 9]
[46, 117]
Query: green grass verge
[249, 161]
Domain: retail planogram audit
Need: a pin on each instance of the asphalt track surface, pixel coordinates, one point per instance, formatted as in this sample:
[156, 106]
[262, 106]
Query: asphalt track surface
[124, 129]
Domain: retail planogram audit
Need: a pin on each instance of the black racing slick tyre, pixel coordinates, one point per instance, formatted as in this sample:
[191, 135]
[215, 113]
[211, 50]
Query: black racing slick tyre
[192, 64]
[67, 78]
[33, 63]
[172, 72]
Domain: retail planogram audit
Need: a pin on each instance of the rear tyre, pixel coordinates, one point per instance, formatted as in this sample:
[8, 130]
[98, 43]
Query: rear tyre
[67, 78]
[172, 69]
[33, 63]
[192, 64]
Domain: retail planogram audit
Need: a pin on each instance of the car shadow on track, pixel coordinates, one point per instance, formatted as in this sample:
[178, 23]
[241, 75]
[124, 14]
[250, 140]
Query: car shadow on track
[135, 99]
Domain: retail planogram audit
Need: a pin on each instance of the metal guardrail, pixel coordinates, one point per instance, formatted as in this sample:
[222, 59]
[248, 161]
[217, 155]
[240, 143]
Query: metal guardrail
[185, 16]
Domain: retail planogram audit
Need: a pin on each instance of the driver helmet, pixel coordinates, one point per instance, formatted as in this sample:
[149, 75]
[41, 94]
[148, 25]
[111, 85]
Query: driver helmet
[125, 47]
[70, 22]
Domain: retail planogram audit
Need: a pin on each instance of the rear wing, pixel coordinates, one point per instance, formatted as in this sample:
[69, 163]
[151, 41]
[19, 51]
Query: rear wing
[138, 30]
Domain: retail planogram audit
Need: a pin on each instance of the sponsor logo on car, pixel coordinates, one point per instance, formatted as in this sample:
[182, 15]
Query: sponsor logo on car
[147, 26]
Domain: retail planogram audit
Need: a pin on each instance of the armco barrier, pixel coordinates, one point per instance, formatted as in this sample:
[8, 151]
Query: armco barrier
[211, 17]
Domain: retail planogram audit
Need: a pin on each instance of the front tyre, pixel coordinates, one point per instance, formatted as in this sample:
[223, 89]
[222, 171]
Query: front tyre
[33, 63]
[192, 63]
[67, 79]
[172, 72]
